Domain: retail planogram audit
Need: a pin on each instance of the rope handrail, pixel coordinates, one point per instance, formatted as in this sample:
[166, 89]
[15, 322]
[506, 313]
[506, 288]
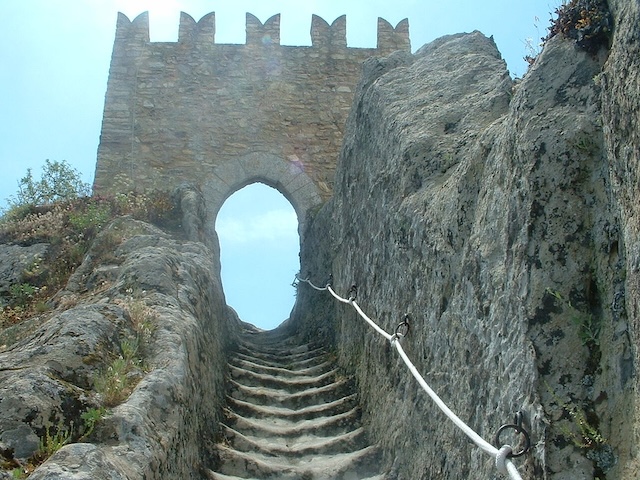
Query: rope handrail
[501, 455]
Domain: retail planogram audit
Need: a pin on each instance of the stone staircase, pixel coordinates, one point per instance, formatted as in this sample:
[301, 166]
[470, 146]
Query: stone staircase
[290, 416]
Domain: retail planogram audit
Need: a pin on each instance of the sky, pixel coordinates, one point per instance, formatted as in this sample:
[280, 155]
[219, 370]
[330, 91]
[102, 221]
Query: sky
[54, 63]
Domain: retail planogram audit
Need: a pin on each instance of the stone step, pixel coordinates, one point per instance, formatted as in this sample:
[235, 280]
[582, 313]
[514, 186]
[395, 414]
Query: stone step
[270, 337]
[219, 476]
[280, 347]
[292, 367]
[307, 444]
[339, 466]
[290, 362]
[290, 415]
[264, 396]
[250, 410]
[280, 428]
[239, 362]
[295, 384]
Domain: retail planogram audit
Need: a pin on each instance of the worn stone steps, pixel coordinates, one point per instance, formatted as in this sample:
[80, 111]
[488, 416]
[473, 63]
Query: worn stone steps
[308, 443]
[281, 427]
[314, 411]
[285, 399]
[220, 476]
[290, 384]
[292, 362]
[351, 465]
[291, 415]
[250, 363]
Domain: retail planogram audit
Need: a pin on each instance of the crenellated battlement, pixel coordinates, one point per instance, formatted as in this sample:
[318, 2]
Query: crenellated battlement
[263, 34]
[323, 34]
[132, 30]
[390, 38]
[203, 31]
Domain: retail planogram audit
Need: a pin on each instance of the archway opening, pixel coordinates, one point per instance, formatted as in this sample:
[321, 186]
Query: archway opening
[259, 254]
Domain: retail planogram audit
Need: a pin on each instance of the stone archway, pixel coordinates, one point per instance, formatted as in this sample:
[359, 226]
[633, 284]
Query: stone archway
[288, 178]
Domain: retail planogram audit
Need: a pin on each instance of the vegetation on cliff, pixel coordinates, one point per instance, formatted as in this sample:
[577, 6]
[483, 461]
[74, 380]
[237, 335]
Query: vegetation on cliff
[57, 210]
[588, 22]
[56, 213]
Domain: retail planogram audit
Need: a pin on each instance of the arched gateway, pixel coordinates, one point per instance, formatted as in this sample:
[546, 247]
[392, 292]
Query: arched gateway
[220, 116]
[286, 177]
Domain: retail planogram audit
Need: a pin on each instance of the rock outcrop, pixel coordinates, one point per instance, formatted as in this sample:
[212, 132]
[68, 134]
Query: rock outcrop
[135, 282]
[485, 210]
[14, 261]
[620, 86]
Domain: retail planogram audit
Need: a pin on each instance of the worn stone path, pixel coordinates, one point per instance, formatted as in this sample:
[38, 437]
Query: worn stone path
[291, 415]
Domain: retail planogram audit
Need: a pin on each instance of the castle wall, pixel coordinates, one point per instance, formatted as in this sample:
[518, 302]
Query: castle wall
[188, 111]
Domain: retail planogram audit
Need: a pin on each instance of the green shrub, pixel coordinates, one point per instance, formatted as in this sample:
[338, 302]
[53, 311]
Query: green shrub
[58, 182]
[22, 293]
[116, 382]
[91, 418]
[113, 383]
[50, 443]
[18, 473]
[94, 216]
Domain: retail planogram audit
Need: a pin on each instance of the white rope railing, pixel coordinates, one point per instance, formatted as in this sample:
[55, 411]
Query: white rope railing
[502, 455]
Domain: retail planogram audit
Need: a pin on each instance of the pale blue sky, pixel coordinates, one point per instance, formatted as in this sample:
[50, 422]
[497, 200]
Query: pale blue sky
[259, 250]
[55, 54]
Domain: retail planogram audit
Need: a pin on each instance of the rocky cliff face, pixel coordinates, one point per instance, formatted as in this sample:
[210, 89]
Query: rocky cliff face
[499, 217]
[620, 118]
[144, 298]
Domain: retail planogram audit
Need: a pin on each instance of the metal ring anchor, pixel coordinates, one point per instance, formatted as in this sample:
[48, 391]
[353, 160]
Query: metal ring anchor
[517, 426]
[329, 281]
[353, 292]
[404, 324]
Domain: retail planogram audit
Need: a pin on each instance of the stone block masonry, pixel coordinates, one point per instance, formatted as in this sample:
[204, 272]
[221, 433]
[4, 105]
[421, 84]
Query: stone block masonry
[193, 111]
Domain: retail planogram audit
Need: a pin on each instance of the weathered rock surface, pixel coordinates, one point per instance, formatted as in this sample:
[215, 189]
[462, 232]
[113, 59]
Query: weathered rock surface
[14, 261]
[46, 379]
[484, 210]
[620, 84]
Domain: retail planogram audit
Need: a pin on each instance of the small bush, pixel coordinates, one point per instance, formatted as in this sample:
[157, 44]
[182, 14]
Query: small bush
[129, 349]
[18, 473]
[58, 182]
[92, 216]
[22, 293]
[91, 418]
[113, 383]
[50, 443]
[142, 318]
[116, 382]
[12, 316]
[26, 300]
[588, 22]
